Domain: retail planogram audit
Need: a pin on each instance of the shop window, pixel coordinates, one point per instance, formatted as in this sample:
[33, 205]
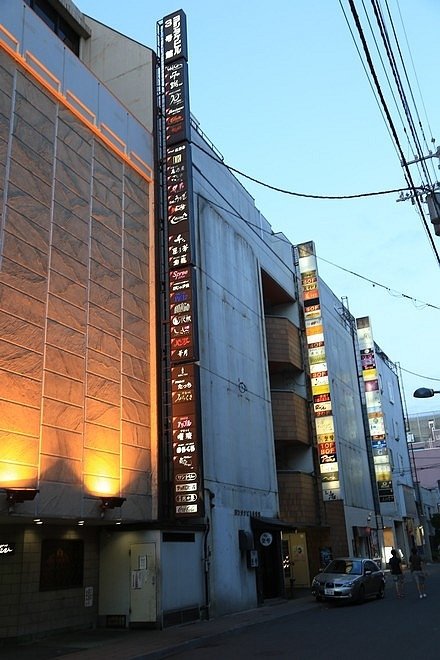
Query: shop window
[62, 564]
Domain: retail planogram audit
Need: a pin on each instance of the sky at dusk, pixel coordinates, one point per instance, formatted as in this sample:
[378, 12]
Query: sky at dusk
[281, 91]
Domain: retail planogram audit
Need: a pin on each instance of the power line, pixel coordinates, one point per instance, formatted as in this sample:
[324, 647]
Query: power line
[383, 286]
[293, 193]
[270, 232]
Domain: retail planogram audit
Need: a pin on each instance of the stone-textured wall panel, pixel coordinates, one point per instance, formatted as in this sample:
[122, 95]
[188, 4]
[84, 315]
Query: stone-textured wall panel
[135, 211]
[103, 389]
[66, 220]
[136, 326]
[100, 318]
[136, 188]
[105, 177]
[134, 346]
[104, 298]
[74, 133]
[135, 458]
[107, 237]
[104, 157]
[62, 415]
[136, 435]
[104, 196]
[32, 184]
[24, 476]
[136, 412]
[135, 285]
[137, 390]
[68, 266]
[75, 160]
[26, 135]
[101, 438]
[103, 365]
[136, 266]
[70, 244]
[138, 483]
[78, 205]
[63, 336]
[137, 249]
[4, 128]
[25, 254]
[21, 360]
[20, 389]
[62, 362]
[106, 258]
[66, 313]
[33, 97]
[73, 180]
[32, 209]
[105, 414]
[31, 160]
[107, 217]
[60, 470]
[35, 233]
[138, 230]
[6, 86]
[102, 342]
[19, 304]
[63, 389]
[61, 443]
[135, 305]
[20, 332]
[23, 279]
[70, 291]
[135, 367]
[102, 462]
[110, 279]
[19, 419]
[19, 448]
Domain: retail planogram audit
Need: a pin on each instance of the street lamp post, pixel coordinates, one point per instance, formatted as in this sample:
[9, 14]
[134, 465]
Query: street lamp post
[422, 393]
[425, 393]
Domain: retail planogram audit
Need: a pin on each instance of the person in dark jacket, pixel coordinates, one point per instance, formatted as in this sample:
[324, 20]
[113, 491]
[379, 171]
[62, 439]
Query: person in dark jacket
[417, 567]
[395, 564]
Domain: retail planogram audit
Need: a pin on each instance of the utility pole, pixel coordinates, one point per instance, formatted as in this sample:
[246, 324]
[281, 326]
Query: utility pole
[432, 198]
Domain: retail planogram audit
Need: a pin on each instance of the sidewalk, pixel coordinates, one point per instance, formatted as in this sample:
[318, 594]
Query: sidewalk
[104, 644]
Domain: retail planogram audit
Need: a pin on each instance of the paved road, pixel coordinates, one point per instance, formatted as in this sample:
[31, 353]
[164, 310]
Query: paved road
[300, 629]
[390, 629]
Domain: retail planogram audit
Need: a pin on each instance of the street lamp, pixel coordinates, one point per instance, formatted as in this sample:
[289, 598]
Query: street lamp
[425, 393]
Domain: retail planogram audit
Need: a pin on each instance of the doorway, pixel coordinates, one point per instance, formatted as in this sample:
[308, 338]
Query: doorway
[143, 584]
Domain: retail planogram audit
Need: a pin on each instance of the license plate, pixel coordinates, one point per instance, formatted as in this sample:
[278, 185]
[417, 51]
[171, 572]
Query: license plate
[329, 592]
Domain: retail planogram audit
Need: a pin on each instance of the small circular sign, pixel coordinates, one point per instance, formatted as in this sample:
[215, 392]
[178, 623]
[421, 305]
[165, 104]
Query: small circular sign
[266, 539]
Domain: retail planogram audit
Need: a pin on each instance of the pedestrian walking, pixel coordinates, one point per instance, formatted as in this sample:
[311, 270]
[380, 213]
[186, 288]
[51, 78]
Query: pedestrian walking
[395, 564]
[417, 567]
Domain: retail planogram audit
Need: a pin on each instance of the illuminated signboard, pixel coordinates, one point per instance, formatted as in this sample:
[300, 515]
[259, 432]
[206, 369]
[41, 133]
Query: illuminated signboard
[381, 457]
[181, 292]
[7, 549]
[319, 378]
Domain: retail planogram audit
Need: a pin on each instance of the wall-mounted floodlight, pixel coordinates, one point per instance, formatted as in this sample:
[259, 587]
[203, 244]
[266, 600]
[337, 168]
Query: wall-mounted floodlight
[19, 495]
[425, 393]
[110, 503]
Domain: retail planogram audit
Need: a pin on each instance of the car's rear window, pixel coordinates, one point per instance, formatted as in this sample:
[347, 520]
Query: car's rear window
[344, 566]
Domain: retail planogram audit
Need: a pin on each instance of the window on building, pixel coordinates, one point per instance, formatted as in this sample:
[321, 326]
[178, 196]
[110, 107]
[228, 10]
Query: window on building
[56, 23]
[62, 564]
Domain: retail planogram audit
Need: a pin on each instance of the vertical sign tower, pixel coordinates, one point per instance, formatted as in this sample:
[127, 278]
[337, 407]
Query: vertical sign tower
[376, 421]
[322, 403]
[183, 428]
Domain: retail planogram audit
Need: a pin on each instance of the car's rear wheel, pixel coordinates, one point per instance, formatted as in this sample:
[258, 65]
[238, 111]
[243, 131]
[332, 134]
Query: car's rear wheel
[361, 594]
[381, 593]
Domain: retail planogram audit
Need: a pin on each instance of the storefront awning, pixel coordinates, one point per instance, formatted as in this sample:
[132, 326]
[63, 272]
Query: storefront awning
[273, 524]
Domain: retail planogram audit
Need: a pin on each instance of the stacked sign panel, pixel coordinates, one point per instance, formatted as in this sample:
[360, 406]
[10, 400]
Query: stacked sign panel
[183, 348]
[322, 404]
[381, 456]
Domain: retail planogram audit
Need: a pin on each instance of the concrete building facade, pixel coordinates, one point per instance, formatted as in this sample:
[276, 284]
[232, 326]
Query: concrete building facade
[173, 409]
